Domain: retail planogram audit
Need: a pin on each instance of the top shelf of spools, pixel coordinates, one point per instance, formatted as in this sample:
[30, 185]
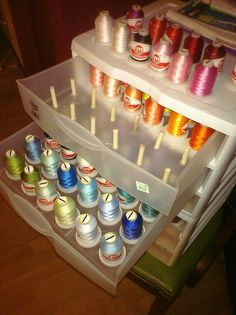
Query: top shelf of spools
[215, 110]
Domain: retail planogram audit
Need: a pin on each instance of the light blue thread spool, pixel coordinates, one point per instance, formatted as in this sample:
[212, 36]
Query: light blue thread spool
[50, 162]
[32, 149]
[46, 193]
[112, 251]
[88, 192]
[126, 200]
[148, 213]
[109, 212]
[88, 234]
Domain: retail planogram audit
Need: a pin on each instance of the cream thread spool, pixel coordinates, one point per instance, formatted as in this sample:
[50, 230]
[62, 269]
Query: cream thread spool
[73, 87]
[115, 143]
[53, 97]
[139, 161]
[72, 112]
[88, 233]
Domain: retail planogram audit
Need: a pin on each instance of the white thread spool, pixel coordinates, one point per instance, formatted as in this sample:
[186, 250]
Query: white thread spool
[121, 37]
[88, 234]
[103, 27]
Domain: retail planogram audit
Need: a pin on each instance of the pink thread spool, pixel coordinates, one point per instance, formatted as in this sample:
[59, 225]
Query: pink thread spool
[160, 56]
[180, 66]
[203, 78]
[96, 76]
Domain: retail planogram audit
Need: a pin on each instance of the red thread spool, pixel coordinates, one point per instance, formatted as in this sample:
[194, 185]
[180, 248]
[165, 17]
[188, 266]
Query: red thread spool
[153, 112]
[134, 18]
[96, 76]
[194, 43]
[215, 52]
[132, 99]
[199, 136]
[157, 26]
[173, 34]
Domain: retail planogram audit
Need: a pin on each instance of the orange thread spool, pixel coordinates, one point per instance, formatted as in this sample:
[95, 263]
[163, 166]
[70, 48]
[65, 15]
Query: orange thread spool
[153, 112]
[177, 124]
[111, 86]
[96, 76]
[199, 136]
[132, 99]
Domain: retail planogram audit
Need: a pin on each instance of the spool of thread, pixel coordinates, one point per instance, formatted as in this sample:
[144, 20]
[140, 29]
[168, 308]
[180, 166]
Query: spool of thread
[65, 212]
[134, 18]
[123, 86]
[67, 155]
[14, 164]
[157, 26]
[148, 213]
[109, 212]
[111, 87]
[46, 193]
[50, 162]
[132, 227]
[140, 46]
[51, 143]
[132, 99]
[112, 251]
[233, 76]
[30, 177]
[177, 124]
[126, 200]
[32, 149]
[103, 27]
[203, 78]
[194, 43]
[88, 192]
[215, 51]
[96, 76]
[153, 112]
[121, 37]
[161, 55]
[200, 134]
[179, 67]
[85, 169]
[173, 34]
[105, 186]
[88, 234]
[67, 178]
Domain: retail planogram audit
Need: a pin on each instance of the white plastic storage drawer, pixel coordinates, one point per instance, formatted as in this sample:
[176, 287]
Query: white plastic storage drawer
[145, 183]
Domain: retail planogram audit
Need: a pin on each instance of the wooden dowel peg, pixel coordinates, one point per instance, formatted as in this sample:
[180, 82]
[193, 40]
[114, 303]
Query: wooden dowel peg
[166, 175]
[140, 155]
[158, 141]
[93, 98]
[72, 111]
[115, 144]
[135, 125]
[73, 87]
[185, 155]
[93, 125]
[53, 97]
[113, 113]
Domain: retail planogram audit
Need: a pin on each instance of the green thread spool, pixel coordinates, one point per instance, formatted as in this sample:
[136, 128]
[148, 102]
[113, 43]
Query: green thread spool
[148, 213]
[65, 212]
[14, 164]
[46, 194]
[30, 176]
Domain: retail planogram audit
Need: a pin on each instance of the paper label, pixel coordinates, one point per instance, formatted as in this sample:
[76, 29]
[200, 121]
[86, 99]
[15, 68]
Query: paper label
[142, 187]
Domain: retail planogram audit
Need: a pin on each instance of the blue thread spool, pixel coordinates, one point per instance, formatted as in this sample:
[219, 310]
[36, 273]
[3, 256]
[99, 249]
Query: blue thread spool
[112, 251]
[67, 178]
[132, 227]
[50, 162]
[67, 155]
[109, 212]
[32, 149]
[126, 200]
[148, 213]
[88, 233]
[88, 192]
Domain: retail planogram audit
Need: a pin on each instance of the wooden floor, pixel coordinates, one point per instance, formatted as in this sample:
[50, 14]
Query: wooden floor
[34, 280]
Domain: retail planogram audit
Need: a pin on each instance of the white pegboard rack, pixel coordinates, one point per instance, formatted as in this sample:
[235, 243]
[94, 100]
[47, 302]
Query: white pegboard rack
[216, 111]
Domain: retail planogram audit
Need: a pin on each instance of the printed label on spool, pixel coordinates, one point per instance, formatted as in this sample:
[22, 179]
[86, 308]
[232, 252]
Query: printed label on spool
[103, 182]
[52, 143]
[184, 129]
[159, 62]
[121, 198]
[47, 202]
[85, 167]
[135, 24]
[218, 63]
[113, 256]
[67, 154]
[28, 187]
[139, 51]
[131, 104]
